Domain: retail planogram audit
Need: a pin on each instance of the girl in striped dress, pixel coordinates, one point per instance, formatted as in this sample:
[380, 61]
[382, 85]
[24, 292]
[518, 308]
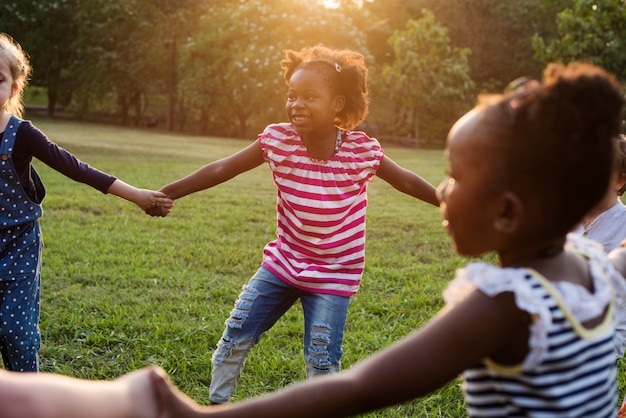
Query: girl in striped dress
[321, 168]
[534, 336]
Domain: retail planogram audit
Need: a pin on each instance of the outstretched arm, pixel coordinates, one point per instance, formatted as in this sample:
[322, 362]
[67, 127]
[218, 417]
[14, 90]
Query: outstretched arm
[216, 172]
[453, 341]
[406, 181]
[46, 395]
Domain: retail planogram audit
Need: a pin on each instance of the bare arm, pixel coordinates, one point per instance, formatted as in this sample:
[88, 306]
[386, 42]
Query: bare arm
[413, 367]
[406, 181]
[45, 395]
[216, 172]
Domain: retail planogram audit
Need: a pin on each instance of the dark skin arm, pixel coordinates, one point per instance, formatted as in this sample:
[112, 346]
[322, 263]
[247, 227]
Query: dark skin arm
[406, 181]
[211, 175]
[216, 172]
[419, 364]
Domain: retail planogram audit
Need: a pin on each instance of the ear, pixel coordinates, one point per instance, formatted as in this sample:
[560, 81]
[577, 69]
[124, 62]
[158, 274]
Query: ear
[620, 182]
[510, 213]
[339, 103]
[14, 90]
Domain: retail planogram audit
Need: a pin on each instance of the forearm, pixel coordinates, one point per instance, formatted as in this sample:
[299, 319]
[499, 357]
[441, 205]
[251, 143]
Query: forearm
[407, 181]
[124, 190]
[55, 396]
[204, 178]
[423, 190]
[216, 172]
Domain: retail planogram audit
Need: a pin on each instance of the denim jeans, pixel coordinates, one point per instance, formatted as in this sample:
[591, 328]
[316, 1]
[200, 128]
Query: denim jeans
[260, 304]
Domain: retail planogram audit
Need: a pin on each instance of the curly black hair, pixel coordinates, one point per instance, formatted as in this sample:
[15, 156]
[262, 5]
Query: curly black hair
[344, 70]
[555, 138]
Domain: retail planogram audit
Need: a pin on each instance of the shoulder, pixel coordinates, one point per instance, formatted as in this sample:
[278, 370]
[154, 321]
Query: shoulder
[27, 127]
[278, 135]
[364, 146]
[279, 130]
[362, 138]
[31, 134]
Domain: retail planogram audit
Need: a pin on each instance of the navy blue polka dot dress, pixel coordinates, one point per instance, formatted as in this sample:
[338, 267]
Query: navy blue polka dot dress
[20, 263]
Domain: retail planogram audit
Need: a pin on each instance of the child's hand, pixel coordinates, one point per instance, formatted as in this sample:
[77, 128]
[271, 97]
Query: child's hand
[144, 402]
[622, 411]
[153, 203]
[156, 209]
[172, 402]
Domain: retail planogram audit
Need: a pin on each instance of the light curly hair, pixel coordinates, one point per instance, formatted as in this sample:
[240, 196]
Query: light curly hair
[17, 60]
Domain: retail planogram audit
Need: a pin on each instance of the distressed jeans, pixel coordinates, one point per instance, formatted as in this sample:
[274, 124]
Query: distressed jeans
[260, 304]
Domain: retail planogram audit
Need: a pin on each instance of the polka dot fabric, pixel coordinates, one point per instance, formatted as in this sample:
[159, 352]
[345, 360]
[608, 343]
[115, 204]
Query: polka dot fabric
[20, 264]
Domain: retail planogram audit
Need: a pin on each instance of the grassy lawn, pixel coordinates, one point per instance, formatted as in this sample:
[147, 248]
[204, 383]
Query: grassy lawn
[122, 290]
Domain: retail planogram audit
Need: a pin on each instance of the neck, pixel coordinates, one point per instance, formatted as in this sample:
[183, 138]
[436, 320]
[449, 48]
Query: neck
[607, 202]
[4, 119]
[322, 145]
[533, 254]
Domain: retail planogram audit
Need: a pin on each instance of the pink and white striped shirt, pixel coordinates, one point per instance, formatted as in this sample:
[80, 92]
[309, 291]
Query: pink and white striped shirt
[320, 245]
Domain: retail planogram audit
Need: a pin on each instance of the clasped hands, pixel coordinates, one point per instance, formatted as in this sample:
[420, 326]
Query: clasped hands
[159, 208]
[155, 203]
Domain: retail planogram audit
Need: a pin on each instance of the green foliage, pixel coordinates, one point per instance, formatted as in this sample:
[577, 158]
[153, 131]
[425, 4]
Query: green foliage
[590, 30]
[428, 77]
[232, 75]
[46, 29]
[213, 67]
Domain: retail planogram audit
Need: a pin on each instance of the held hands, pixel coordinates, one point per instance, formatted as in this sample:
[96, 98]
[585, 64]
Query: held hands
[172, 403]
[154, 203]
[159, 209]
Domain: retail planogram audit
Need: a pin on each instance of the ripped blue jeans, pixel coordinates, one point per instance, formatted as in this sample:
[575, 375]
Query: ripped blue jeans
[260, 304]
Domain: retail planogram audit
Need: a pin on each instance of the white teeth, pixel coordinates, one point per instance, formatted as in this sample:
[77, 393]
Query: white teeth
[299, 118]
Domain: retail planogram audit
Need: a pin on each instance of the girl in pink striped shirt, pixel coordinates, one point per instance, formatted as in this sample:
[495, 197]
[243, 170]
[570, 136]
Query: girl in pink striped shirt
[321, 169]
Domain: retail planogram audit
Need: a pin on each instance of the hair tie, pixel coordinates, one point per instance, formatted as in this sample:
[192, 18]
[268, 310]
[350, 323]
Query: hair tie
[337, 67]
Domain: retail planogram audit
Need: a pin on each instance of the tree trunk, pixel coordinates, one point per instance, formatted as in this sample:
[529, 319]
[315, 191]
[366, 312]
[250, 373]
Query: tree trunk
[416, 130]
[52, 102]
[171, 85]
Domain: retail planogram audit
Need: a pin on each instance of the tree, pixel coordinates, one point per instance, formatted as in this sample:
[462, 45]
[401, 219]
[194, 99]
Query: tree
[497, 32]
[46, 29]
[232, 74]
[592, 31]
[129, 49]
[428, 76]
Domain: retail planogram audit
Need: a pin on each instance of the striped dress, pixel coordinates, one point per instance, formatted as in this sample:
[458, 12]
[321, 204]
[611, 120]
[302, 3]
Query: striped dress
[320, 245]
[570, 370]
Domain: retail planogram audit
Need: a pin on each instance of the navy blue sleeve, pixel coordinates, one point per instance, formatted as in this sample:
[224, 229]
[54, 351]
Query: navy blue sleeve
[31, 143]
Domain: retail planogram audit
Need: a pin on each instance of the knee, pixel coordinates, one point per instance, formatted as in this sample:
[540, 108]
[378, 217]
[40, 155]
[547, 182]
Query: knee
[319, 359]
[242, 308]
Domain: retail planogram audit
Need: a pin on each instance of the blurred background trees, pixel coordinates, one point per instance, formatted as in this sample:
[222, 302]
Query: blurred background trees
[212, 67]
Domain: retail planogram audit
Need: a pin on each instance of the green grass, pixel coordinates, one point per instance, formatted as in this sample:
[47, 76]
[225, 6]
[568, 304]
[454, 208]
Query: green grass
[122, 290]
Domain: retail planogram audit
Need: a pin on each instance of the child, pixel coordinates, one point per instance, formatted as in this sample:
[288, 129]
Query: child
[46, 395]
[22, 193]
[606, 222]
[321, 169]
[534, 336]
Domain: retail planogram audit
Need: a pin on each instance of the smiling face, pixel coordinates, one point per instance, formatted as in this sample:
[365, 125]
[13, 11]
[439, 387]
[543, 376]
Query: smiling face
[469, 204]
[311, 105]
